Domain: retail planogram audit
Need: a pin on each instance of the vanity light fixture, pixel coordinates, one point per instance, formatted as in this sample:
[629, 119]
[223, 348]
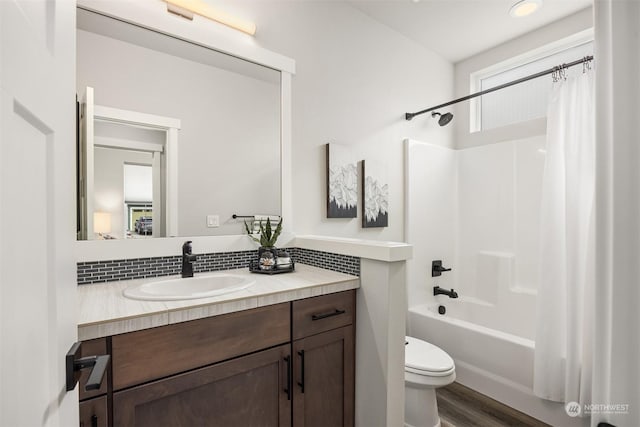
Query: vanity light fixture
[524, 8]
[187, 8]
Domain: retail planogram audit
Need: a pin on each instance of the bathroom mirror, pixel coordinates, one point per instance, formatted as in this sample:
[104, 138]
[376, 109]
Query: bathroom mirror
[224, 116]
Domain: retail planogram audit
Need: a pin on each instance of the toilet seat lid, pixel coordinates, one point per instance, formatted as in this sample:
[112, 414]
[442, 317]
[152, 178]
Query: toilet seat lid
[423, 356]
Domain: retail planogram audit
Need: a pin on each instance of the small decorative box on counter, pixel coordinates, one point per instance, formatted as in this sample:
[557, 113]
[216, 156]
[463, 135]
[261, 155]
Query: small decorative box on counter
[272, 261]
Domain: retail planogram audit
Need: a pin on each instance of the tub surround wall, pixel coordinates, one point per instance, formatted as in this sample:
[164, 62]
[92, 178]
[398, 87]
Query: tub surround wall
[477, 209]
[431, 208]
[497, 256]
[503, 182]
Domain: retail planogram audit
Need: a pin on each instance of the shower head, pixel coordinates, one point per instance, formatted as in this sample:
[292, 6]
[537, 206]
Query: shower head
[444, 118]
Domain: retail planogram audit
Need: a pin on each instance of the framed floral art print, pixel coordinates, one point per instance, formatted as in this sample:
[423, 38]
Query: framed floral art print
[342, 182]
[375, 194]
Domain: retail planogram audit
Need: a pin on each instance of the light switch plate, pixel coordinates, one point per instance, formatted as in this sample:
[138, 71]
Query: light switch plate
[213, 221]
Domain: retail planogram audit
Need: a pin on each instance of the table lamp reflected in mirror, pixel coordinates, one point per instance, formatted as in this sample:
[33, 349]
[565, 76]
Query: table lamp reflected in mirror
[102, 225]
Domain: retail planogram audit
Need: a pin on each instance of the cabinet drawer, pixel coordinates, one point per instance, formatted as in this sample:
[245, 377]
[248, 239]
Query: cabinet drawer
[97, 347]
[93, 412]
[318, 314]
[155, 353]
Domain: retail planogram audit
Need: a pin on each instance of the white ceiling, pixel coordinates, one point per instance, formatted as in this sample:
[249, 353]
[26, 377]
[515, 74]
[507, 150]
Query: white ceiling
[458, 29]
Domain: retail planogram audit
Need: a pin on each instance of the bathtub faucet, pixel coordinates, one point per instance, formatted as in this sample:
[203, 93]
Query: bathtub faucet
[437, 269]
[437, 290]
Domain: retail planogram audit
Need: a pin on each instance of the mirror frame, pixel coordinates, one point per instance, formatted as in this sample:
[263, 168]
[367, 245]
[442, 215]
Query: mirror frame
[152, 14]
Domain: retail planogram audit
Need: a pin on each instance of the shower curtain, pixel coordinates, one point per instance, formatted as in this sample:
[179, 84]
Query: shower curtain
[563, 346]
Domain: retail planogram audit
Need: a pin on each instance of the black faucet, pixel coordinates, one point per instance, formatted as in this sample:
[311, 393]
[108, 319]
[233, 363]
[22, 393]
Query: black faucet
[437, 290]
[187, 259]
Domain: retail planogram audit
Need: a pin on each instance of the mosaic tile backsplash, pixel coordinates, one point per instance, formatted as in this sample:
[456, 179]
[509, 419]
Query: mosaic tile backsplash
[139, 268]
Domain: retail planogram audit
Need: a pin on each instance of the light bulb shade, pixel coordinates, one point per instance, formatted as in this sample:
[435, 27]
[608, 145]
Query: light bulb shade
[524, 8]
[101, 222]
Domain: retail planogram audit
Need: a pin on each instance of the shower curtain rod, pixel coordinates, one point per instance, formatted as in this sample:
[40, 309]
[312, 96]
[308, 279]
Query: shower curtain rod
[409, 116]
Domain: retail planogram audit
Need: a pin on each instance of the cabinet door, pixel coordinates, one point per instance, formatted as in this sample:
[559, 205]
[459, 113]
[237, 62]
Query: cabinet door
[324, 379]
[93, 412]
[247, 391]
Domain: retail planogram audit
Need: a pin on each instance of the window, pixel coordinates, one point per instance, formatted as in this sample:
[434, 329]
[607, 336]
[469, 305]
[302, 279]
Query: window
[527, 100]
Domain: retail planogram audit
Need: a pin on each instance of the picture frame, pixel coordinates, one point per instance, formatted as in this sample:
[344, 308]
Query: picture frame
[375, 195]
[342, 182]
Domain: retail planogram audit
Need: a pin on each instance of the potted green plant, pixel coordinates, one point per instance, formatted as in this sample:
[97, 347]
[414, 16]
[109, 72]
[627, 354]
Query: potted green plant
[267, 252]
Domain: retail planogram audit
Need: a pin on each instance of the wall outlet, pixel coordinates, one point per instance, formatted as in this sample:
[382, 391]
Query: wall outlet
[213, 221]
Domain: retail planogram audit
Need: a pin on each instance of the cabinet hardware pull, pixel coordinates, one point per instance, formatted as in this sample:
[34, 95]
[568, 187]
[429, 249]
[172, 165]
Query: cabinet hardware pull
[301, 382]
[336, 312]
[288, 389]
[94, 420]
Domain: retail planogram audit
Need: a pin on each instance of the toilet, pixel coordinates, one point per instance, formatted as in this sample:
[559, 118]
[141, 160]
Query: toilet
[426, 367]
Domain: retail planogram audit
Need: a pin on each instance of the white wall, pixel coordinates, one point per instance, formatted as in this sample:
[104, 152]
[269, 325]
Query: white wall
[229, 143]
[355, 78]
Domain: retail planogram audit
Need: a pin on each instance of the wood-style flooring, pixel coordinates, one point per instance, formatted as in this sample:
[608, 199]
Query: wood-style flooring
[459, 406]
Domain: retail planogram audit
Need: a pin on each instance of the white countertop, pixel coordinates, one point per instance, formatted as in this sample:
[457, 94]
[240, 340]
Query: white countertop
[105, 311]
[369, 249]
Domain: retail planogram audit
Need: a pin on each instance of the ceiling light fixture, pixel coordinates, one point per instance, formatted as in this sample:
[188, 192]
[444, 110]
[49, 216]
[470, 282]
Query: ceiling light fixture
[524, 8]
[186, 9]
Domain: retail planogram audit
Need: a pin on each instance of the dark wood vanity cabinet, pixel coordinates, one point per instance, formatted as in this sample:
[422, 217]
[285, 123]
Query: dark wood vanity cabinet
[324, 360]
[280, 365]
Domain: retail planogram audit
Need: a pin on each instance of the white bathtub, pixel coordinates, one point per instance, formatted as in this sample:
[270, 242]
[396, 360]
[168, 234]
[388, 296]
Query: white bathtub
[495, 363]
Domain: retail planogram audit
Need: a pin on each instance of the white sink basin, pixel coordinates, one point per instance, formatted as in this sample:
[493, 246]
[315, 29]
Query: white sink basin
[200, 286]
